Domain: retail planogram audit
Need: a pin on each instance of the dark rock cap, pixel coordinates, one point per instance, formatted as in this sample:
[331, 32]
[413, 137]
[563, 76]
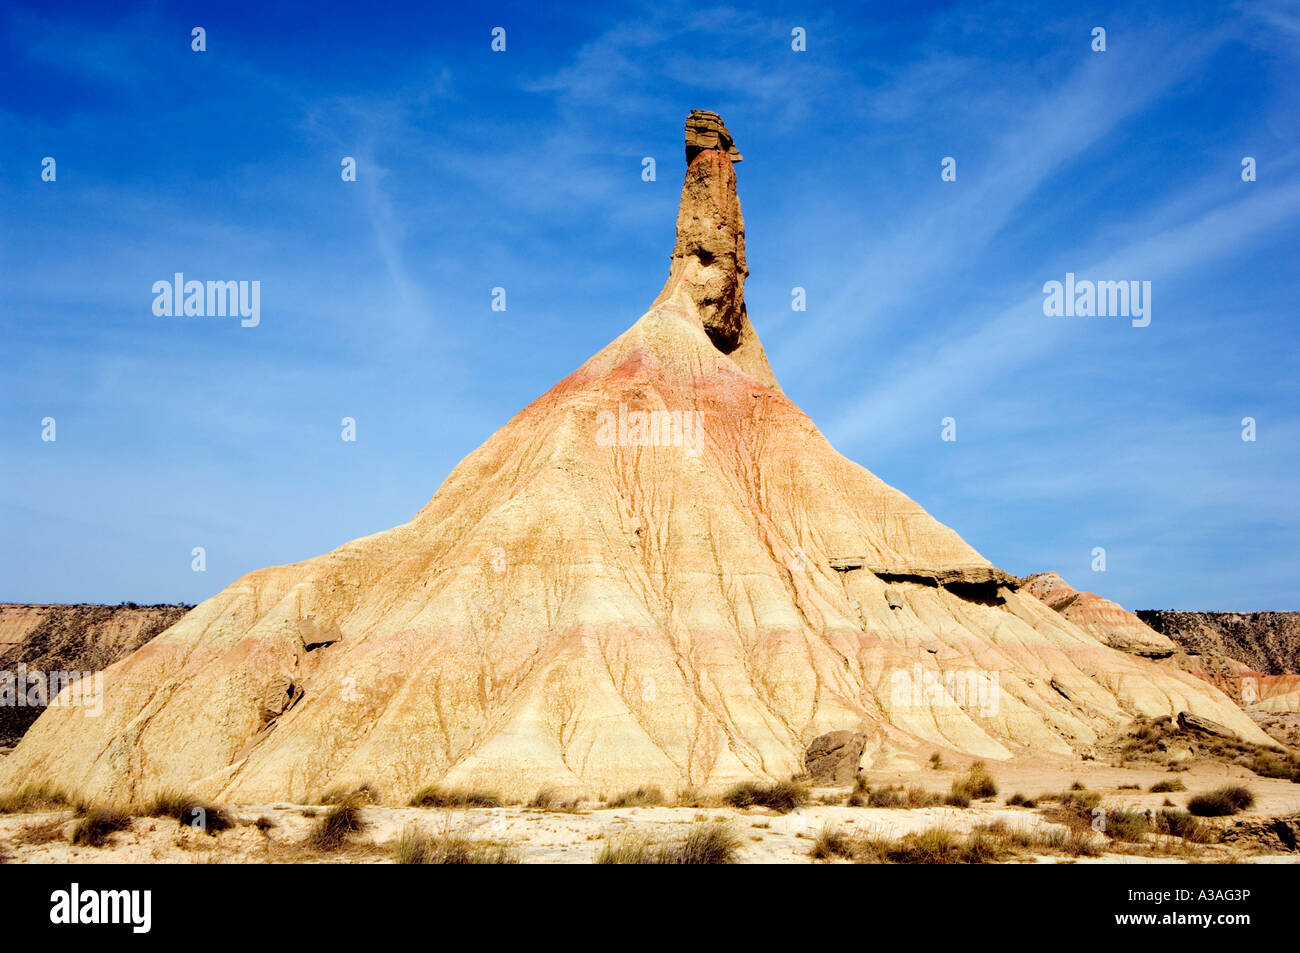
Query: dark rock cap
[706, 130]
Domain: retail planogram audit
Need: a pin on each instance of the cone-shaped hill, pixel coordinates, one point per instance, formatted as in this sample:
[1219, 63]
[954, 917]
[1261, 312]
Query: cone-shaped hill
[657, 572]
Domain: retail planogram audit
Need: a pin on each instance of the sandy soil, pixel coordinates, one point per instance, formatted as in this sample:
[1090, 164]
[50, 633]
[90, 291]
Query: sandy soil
[577, 836]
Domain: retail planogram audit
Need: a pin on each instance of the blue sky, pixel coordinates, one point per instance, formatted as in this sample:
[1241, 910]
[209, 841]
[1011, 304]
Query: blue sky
[522, 169]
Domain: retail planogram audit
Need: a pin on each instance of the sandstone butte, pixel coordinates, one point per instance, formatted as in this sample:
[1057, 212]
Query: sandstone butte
[569, 612]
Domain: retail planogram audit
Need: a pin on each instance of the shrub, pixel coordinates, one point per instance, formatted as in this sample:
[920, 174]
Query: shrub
[1129, 826]
[1166, 786]
[708, 842]
[42, 832]
[1272, 764]
[647, 795]
[831, 842]
[363, 793]
[1019, 800]
[188, 812]
[935, 845]
[95, 826]
[417, 847]
[957, 798]
[434, 796]
[1184, 825]
[977, 783]
[692, 797]
[338, 824]
[782, 796]
[1221, 802]
[549, 799]
[31, 798]
[1075, 809]
[886, 797]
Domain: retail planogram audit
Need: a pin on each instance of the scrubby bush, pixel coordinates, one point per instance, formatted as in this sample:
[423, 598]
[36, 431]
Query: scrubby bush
[337, 825]
[1129, 826]
[782, 796]
[1221, 802]
[550, 799]
[976, 783]
[417, 847]
[436, 796]
[647, 795]
[31, 798]
[707, 842]
[1166, 786]
[188, 811]
[97, 824]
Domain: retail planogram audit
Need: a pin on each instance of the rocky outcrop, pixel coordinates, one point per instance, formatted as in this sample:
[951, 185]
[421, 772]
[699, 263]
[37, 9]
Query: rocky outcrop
[706, 130]
[833, 759]
[591, 604]
[1205, 726]
[1108, 621]
[1267, 642]
[1197, 647]
[70, 638]
[1270, 836]
[708, 262]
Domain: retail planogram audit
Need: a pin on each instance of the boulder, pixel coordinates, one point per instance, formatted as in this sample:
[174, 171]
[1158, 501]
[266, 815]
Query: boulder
[832, 759]
[1190, 722]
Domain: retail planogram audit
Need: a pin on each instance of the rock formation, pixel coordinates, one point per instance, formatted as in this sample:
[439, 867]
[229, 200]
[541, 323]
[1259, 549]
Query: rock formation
[69, 638]
[1213, 646]
[1105, 620]
[657, 572]
[1269, 642]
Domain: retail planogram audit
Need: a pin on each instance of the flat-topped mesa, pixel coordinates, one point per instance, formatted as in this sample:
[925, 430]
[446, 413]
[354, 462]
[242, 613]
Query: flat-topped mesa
[709, 259]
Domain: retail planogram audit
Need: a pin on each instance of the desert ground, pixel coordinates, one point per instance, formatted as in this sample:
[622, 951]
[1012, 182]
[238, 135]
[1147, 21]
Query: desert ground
[825, 828]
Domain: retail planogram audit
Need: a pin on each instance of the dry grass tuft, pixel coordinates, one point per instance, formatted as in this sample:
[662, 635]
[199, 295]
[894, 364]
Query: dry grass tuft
[550, 799]
[707, 842]
[31, 798]
[336, 827]
[1181, 824]
[42, 832]
[781, 796]
[1165, 787]
[435, 796]
[96, 825]
[418, 847]
[647, 795]
[188, 812]
[1221, 802]
[976, 784]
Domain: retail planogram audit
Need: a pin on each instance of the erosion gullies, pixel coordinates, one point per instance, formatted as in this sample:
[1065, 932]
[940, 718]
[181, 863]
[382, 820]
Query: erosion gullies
[592, 607]
[40, 642]
[1269, 642]
[1107, 621]
[1250, 656]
